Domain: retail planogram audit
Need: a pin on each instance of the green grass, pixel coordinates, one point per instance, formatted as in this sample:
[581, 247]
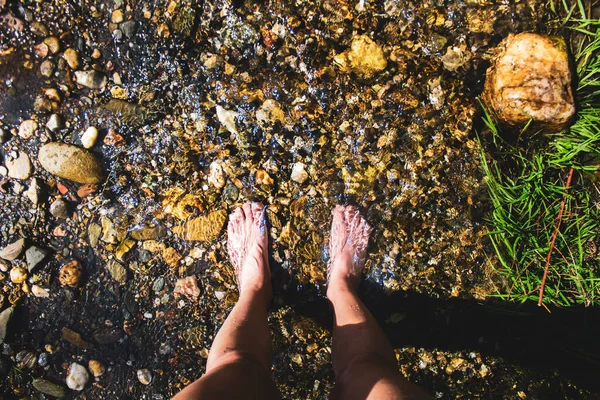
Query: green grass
[526, 184]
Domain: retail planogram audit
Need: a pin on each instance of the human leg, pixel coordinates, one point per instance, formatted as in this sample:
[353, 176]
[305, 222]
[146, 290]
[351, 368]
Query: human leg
[239, 363]
[363, 359]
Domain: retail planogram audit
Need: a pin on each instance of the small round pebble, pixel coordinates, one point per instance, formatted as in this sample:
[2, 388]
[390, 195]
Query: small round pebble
[77, 377]
[18, 275]
[89, 137]
[96, 368]
[144, 376]
[70, 274]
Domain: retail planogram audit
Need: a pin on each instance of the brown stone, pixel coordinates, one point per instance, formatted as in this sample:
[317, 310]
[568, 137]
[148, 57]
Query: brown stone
[71, 162]
[205, 228]
[74, 338]
[530, 79]
[70, 274]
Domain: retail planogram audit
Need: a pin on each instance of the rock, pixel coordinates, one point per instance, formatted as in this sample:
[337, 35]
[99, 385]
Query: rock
[217, 175]
[171, 256]
[70, 274]
[39, 291]
[110, 234]
[86, 190]
[365, 57]
[530, 78]
[129, 28]
[49, 388]
[77, 377]
[13, 250]
[20, 167]
[40, 50]
[144, 376]
[263, 178]
[4, 318]
[72, 58]
[74, 338]
[18, 275]
[128, 113]
[117, 271]
[206, 228]
[108, 335]
[299, 173]
[455, 58]
[94, 232]
[54, 123]
[4, 136]
[96, 368]
[91, 79]
[146, 232]
[59, 209]
[47, 68]
[89, 137]
[43, 359]
[71, 162]
[187, 287]
[35, 255]
[96, 54]
[436, 96]
[53, 44]
[117, 17]
[158, 285]
[27, 128]
[34, 191]
[26, 359]
[227, 119]
[270, 112]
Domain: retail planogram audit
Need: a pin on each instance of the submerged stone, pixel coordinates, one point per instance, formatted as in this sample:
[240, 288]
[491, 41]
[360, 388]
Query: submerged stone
[365, 57]
[70, 162]
[128, 113]
[205, 228]
[530, 79]
[49, 388]
[91, 79]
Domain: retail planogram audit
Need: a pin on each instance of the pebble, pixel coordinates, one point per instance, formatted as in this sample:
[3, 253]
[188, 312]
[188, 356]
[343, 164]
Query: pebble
[72, 58]
[4, 318]
[13, 250]
[26, 359]
[263, 178]
[129, 28]
[117, 271]
[217, 175]
[71, 162]
[117, 17]
[89, 137]
[227, 119]
[77, 377]
[53, 44]
[18, 275]
[70, 274]
[27, 128]
[3, 136]
[91, 79]
[39, 291]
[158, 285]
[20, 167]
[96, 54]
[54, 123]
[365, 57]
[96, 368]
[299, 173]
[47, 68]
[34, 191]
[59, 209]
[144, 376]
[49, 388]
[43, 359]
[34, 256]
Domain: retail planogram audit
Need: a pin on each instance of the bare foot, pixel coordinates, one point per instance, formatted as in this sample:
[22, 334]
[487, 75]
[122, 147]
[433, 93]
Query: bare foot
[247, 245]
[347, 247]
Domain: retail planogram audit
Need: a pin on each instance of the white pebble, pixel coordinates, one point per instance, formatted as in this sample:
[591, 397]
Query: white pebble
[77, 377]
[88, 139]
[39, 291]
[299, 174]
[144, 376]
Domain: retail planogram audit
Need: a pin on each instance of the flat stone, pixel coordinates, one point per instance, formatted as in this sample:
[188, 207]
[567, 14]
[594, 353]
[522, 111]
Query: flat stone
[4, 318]
[90, 79]
[530, 79]
[13, 250]
[75, 338]
[20, 167]
[117, 271]
[34, 256]
[365, 57]
[59, 209]
[108, 335]
[94, 232]
[49, 388]
[205, 228]
[146, 232]
[34, 192]
[27, 128]
[71, 162]
[299, 173]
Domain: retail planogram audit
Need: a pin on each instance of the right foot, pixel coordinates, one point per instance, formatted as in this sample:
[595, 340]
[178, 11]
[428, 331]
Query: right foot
[247, 245]
[347, 247]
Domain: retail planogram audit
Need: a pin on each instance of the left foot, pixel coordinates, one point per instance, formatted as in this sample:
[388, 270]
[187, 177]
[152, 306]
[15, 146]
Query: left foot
[247, 243]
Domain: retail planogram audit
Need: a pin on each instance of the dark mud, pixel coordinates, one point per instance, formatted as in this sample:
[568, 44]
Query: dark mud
[398, 143]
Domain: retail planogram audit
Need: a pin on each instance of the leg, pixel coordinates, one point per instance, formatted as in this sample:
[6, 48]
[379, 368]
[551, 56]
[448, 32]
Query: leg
[363, 360]
[239, 363]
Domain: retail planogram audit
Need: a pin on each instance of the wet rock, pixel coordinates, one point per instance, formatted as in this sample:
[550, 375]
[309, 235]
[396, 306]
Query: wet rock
[216, 176]
[263, 178]
[4, 136]
[53, 44]
[159, 284]
[77, 377]
[72, 58]
[39, 291]
[231, 193]
[455, 58]
[70, 274]
[108, 335]
[129, 28]
[109, 233]
[47, 68]
[11, 22]
[26, 359]
[171, 256]
[34, 256]
[34, 192]
[117, 271]
[94, 232]
[299, 173]
[27, 129]
[227, 119]
[59, 209]
[4, 318]
[96, 368]
[365, 57]
[42, 359]
[54, 123]
[71, 162]
[269, 113]
[205, 228]
[128, 113]
[437, 96]
[74, 338]
[89, 137]
[184, 21]
[146, 232]
[144, 376]
[13, 250]
[39, 29]
[18, 275]
[117, 16]
[187, 287]
[20, 167]
[49, 388]
[91, 79]
[530, 78]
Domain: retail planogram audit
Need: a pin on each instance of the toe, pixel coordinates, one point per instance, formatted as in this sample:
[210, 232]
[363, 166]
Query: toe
[248, 212]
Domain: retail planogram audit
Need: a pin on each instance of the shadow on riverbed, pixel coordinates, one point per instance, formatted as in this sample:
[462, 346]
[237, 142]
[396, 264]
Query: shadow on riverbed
[566, 340]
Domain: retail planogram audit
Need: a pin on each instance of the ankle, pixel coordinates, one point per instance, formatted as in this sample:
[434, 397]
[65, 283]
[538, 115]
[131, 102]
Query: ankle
[340, 288]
